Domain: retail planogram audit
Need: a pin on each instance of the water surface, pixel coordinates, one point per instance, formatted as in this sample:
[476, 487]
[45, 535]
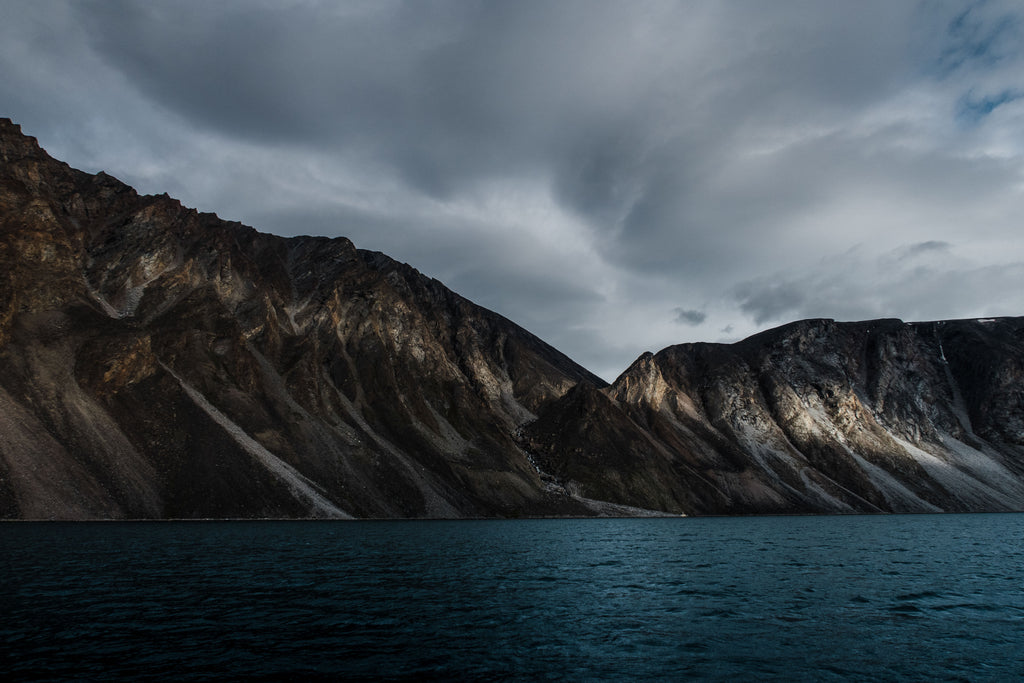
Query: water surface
[935, 597]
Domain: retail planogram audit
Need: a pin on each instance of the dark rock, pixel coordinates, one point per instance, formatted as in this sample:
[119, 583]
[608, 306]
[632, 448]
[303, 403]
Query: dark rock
[816, 416]
[157, 362]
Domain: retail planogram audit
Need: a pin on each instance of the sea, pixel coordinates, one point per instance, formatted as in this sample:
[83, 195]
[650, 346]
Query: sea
[843, 598]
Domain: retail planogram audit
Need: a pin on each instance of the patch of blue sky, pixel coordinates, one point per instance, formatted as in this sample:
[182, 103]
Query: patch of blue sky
[978, 41]
[970, 110]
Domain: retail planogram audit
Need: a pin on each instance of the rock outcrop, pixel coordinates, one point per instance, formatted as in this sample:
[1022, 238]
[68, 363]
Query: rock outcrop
[156, 362]
[815, 416]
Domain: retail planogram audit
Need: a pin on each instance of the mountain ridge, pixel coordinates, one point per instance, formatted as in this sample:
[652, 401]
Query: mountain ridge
[118, 297]
[159, 362]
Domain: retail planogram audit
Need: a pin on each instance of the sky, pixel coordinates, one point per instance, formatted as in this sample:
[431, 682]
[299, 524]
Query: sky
[616, 177]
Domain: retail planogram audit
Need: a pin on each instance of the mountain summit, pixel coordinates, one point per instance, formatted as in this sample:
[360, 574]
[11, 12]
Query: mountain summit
[157, 362]
[815, 416]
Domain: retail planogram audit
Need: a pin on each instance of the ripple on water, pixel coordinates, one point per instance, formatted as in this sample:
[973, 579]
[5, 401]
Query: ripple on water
[820, 599]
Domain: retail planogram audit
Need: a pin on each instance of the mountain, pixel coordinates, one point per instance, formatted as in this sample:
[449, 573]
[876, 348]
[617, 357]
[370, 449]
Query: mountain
[815, 416]
[157, 362]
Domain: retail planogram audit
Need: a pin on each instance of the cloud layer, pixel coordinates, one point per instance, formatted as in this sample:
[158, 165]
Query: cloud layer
[614, 176]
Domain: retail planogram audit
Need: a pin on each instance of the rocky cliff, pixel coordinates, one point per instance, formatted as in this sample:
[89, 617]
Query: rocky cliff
[156, 362]
[159, 362]
[816, 416]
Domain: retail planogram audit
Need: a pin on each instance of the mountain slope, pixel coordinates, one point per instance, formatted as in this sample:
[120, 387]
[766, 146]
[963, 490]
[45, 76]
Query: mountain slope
[159, 362]
[156, 362]
[816, 416]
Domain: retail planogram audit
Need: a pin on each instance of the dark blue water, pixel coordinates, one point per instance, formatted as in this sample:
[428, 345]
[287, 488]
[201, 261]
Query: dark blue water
[804, 598]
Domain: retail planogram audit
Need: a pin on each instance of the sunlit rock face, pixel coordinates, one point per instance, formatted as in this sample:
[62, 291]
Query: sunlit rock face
[157, 362]
[816, 416]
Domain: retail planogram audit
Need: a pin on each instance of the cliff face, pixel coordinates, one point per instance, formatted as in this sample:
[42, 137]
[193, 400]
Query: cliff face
[157, 362]
[816, 416]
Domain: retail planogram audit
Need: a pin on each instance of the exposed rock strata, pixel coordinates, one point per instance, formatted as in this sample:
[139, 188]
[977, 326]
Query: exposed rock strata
[816, 416]
[157, 362]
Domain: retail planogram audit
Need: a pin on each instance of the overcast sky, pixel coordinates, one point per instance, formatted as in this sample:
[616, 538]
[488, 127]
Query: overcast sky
[614, 176]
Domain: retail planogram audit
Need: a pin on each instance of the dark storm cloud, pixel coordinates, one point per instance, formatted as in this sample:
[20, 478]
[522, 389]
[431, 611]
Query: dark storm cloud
[441, 91]
[769, 299]
[689, 316]
[630, 106]
[445, 92]
[271, 73]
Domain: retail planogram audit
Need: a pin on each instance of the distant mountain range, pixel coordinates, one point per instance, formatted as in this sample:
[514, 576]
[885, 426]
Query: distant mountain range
[156, 362]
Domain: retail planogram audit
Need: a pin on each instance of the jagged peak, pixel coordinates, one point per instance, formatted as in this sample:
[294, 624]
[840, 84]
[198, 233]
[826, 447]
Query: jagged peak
[8, 126]
[14, 144]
